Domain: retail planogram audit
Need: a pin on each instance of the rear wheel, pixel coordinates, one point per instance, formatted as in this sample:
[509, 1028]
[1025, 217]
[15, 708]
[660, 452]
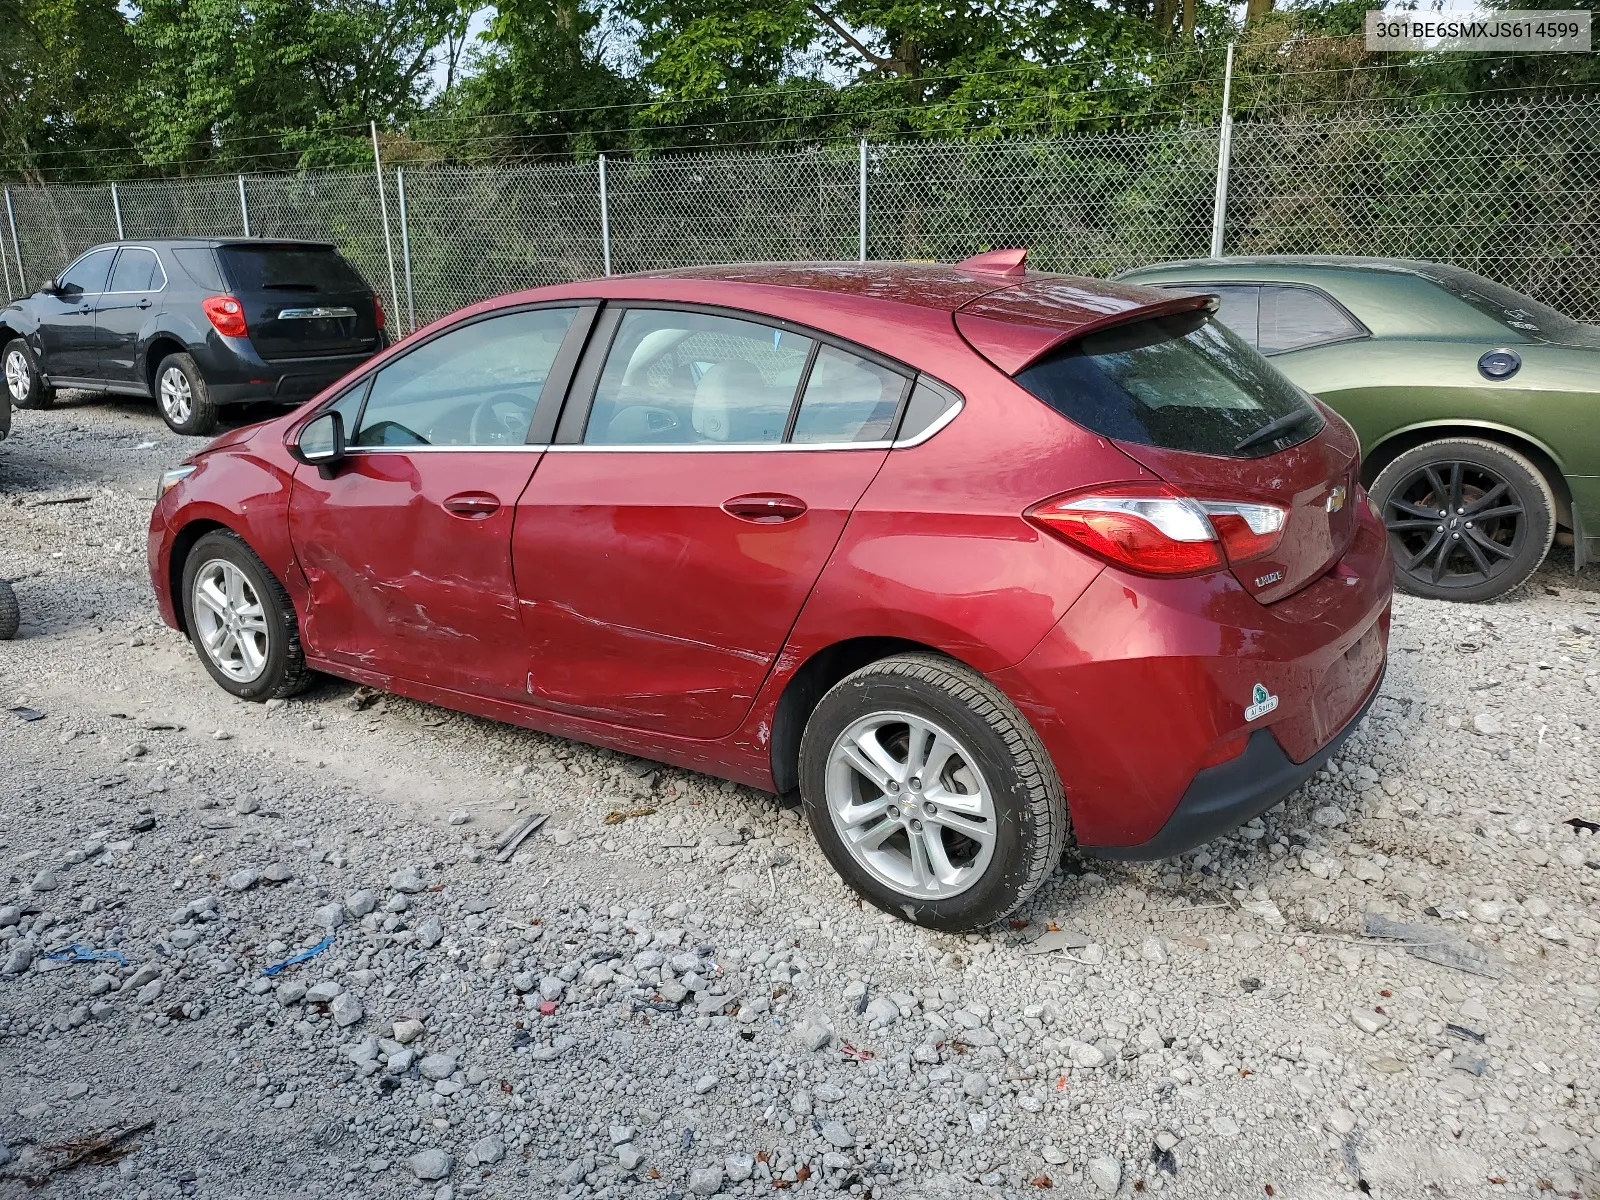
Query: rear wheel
[183, 397]
[241, 620]
[930, 793]
[1468, 519]
[24, 385]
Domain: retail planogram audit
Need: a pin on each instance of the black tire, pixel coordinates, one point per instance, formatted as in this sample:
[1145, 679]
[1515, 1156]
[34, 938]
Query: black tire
[284, 672]
[10, 614]
[1468, 519]
[191, 412]
[1031, 826]
[39, 393]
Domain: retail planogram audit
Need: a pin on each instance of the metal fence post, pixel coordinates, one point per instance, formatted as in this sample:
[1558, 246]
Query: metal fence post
[1219, 206]
[116, 207]
[605, 218]
[5, 264]
[405, 250]
[383, 211]
[11, 216]
[861, 207]
[244, 207]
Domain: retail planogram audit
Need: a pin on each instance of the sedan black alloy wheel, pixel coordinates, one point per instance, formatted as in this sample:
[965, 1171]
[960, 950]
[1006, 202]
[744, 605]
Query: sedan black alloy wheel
[1455, 524]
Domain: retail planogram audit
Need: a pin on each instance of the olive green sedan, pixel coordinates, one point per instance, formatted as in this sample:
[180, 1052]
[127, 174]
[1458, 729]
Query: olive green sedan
[1478, 408]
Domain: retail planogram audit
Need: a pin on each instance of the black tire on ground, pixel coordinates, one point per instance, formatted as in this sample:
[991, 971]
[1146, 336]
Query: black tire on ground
[285, 672]
[1030, 821]
[10, 614]
[1468, 519]
[39, 394]
[183, 398]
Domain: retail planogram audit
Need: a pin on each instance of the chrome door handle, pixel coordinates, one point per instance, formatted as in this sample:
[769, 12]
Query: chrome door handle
[474, 506]
[765, 508]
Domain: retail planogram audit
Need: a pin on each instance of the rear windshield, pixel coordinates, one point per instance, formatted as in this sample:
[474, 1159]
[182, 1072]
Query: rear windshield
[1512, 309]
[1183, 382]
[289, 269]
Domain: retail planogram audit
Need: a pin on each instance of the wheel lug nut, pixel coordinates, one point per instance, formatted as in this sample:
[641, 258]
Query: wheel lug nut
[916, 827]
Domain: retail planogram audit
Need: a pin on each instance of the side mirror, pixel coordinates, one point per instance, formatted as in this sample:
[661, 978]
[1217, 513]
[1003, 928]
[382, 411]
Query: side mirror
[321, 443]
[50, 287]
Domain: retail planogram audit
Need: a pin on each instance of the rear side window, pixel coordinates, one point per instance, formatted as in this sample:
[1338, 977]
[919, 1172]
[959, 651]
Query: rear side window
[289, 269]
[1183, 382]
[1239, 308]
[1295, 318]
[201, 265]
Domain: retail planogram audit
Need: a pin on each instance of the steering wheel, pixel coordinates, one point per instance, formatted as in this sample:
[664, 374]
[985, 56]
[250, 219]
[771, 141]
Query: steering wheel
[501, 420]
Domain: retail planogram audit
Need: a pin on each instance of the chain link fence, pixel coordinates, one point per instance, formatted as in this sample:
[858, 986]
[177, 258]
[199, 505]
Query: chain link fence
[1509, 191]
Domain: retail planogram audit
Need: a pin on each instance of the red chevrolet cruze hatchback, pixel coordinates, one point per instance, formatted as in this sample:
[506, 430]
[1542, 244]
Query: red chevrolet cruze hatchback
[980, 561]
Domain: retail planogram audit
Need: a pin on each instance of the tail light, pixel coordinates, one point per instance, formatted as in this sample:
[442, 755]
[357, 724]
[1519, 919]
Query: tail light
[377, 311]
[1156, 530]
[226, 315]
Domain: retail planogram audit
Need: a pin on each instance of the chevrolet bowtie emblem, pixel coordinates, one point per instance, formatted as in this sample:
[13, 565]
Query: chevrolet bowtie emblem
[1335, 500]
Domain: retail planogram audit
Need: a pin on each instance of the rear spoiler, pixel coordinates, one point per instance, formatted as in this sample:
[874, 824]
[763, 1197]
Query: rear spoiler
[1016, 327]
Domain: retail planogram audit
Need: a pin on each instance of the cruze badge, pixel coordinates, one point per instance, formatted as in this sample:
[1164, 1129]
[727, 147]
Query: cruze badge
[1269, 577]
[1335, 499]
[1263, 703]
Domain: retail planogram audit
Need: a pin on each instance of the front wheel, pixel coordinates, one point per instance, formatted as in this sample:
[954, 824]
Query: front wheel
[241, 620]
[24, 385]
[1468, 519]
[930, 793]
[183, 397]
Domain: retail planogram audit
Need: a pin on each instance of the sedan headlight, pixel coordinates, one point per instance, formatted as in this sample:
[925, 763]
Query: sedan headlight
[171, 477]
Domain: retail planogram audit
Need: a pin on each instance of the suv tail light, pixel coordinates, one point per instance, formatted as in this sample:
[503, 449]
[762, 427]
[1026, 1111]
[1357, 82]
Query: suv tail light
[377, 311]
[226, 315]
[1156, 530]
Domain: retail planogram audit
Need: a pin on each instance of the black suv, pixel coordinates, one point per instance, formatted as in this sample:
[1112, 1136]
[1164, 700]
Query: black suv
[193, 323]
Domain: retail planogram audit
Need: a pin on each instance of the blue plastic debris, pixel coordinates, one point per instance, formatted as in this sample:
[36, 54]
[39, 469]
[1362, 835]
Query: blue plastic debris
[303, 956]
[76, 952]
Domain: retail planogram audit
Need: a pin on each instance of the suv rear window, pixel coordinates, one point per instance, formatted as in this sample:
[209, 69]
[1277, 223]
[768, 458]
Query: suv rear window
[1183, 382]
[289, 269]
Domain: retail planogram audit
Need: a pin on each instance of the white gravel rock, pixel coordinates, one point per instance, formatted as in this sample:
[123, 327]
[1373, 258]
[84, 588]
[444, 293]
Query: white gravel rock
[1105, 1173]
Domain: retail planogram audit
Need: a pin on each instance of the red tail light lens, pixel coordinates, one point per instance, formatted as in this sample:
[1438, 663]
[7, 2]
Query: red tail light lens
[1147, 528]
[1156, 530]
[377, 311]
[1247, 530]
[226, 315]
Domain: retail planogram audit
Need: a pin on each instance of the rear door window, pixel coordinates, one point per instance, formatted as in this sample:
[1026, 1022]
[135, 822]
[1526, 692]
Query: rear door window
[1183, 382]
[1296, 318]
[688, 378]
[137, 270]
[847, 399]
[300, 269]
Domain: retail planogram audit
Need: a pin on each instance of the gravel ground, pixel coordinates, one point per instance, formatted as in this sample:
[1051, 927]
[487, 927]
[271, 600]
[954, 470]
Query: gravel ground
[1387, 986]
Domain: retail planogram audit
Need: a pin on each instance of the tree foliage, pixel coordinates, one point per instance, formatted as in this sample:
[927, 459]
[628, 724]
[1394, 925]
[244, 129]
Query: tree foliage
[102, 89]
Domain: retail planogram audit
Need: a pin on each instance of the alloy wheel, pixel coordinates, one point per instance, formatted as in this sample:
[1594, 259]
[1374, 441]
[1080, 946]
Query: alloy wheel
[19, 380]
[231, 621]
[177, 401]
[1455, 524]
[910, 805]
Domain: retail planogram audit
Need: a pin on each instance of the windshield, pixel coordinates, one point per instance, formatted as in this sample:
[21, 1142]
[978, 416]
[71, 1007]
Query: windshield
[1183, 382]
[1512, 309]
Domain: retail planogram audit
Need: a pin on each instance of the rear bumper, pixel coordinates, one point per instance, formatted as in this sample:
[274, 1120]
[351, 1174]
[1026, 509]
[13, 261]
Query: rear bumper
[1145, 683]
[1224, 797]
[236, 374]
